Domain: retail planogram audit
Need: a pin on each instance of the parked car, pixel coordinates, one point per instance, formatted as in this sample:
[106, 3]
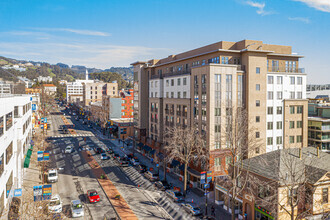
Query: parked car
[104, 156]
[192, 208]
[162, 185]
[93, 196]
[124, 162]
[115, 156]
[52, 176]
[68, 150]
[110, 151]
[176, 196]
[77, 209]
[152, 176]
[55, 204]
[99, 150]
[90, 126]
[135, 161]
[142, 168]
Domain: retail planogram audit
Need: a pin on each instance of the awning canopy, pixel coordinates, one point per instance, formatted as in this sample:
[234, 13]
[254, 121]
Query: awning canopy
[175, 163]
[26, 162]
[194, 172]
[147, 148]
[152, 152]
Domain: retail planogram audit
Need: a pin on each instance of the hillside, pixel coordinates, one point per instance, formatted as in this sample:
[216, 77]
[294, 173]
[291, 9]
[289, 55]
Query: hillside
[110, 77]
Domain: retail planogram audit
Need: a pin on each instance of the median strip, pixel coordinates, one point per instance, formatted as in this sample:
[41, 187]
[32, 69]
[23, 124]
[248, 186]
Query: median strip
[118, 202]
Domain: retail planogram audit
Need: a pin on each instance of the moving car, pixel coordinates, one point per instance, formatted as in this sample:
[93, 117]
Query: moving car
[152, 176]
[142, 168]
[115, 156]
[135, 161]
[110, 151]
[55, 204]
[99, 150]
[77, 209]
[162, 185]
[93, 196]
[124, 162]
[191, 208]
[68, 150]
[52, 176]
[104, 156]
[176, 196]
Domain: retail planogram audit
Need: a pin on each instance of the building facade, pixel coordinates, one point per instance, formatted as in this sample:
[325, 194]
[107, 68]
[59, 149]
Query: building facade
[50, 89]
[204, 86]
[93, 92]
[45, 79]
[15, 136]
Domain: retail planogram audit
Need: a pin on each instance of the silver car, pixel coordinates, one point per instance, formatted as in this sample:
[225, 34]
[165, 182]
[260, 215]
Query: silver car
[77, 208]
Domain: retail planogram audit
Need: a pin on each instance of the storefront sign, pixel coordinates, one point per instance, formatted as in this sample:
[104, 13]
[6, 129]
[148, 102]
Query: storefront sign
[46, 155]
[40, 155]
[46, 192]
[17, 192]
[209, 176]
[248, 197]
[263, 212]
[203, 177]
[37, 193]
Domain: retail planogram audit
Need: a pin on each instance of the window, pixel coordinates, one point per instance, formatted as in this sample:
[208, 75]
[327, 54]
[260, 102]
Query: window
[291, 125]
[292, 193]
[279, 125]
[270, 110]
[2, 165]
[279, 80]
[228, 162]
[224, 60]
[270, 80]
[279, 95]
[291, 139]
[299, 138]
[269, 125]
[299, 80]
[291, 109]
[152, 84]
[9, 120]
[156, 94]
[258, 87]
[257, 134]
[270, 95]
[257, 118]
[156, 84]
[292, 80]
[299, 124]
[217, 145]
[152, 94]
[9, 152]
[179, 95]
[258, 103]
[257, 150]
[172, 95]
[325, 195]
[217, 112]
[217, 161]
[257, 70]
[203, 62]
[217, 129]
[184, 95]
[1, 126]
[184, 81]
[179, 82]
[172, 82]
[292, 96]
[263, 191]
[91, 97]
[279, 140]
[279, 110]
[95, 87]
[167, 95]
[299, 95]
[167, 82]
[270, 141]
[299, 109]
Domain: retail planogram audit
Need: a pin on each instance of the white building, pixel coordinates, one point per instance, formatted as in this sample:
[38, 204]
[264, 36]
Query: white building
[45, 79]
[50, 89]
[75, 90]
[15, 137]
[5, 88]
[28, 83]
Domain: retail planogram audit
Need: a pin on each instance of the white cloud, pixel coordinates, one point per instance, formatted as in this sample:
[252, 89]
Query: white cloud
[91, 55]
[76, 31]
[260, 8]
[321, 5]
[302, 19]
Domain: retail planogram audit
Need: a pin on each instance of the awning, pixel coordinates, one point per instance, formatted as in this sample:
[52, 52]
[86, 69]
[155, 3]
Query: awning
[181, 167]
[140, 145]
[29, 153]
[194, 172]
[175, 163]
[152, 152]
[26, 162]
[147, 148]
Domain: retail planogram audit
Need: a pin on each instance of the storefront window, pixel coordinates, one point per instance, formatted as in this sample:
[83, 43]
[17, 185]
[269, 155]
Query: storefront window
[9, 120]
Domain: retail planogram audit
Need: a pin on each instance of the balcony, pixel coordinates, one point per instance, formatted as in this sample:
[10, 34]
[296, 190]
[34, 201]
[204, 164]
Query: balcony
[276, 69]
[176, 73]
[156, 76]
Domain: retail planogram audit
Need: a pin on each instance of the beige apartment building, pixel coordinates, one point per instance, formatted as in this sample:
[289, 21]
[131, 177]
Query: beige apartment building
[93, 92]
[197, 87]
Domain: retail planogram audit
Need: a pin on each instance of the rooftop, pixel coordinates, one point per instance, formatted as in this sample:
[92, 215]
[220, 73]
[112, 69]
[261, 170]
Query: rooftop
[49, 85]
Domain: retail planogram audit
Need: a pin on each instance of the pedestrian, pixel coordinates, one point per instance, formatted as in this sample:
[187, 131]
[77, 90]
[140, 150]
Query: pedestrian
[152, 160]
[213, 211]
[245, 216]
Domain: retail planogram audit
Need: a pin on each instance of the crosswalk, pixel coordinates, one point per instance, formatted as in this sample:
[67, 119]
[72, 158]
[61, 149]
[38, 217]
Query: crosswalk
[73, 135]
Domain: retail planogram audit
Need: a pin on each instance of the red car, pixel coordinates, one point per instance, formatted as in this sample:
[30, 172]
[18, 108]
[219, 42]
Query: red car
[93, 196]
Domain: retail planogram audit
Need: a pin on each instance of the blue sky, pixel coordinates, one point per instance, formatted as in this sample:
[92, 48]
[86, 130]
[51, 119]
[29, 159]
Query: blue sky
[105, 33]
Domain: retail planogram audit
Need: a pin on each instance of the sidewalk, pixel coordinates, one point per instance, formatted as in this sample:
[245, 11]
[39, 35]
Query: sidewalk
[193, 195]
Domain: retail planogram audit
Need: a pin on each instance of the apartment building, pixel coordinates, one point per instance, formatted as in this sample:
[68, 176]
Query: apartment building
[93, 92]
[15, 137]
[198, 87]
[50, 89]
[5, 88]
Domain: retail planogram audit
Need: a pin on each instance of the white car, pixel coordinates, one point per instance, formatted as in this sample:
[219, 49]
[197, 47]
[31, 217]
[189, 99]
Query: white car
[68, 150]
[52, 176]
[77, 209]
[135, 162]
[55, 204]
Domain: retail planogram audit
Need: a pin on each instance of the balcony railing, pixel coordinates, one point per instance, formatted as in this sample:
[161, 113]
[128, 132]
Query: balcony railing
[176, 73]
[286, 69]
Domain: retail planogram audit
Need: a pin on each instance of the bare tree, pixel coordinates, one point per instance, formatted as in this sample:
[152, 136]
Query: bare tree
[238, 142]
[186, 145]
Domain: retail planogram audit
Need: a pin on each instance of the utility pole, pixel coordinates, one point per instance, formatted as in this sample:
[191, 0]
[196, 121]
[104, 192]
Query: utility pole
[43, 132]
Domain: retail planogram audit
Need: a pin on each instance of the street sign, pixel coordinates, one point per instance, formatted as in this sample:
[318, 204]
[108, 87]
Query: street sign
[45, 120]
[46, 155]
[40, 155]
[203, 177]
[206, 185]
[17, 192]
[46, 192]
[42, 120]
[46, 125]
[42, 126]
[37, 193]
[157, 165]
[34, 107]
[209, 176]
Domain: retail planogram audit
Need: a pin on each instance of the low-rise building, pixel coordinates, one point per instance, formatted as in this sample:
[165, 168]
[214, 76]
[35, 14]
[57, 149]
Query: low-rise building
[122, 128]
[45, 79]
[93, 92]
[15, 136]
[50, 89]
[5, 88]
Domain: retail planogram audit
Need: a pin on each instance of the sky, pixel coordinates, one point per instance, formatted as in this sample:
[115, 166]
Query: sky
[105, 33]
